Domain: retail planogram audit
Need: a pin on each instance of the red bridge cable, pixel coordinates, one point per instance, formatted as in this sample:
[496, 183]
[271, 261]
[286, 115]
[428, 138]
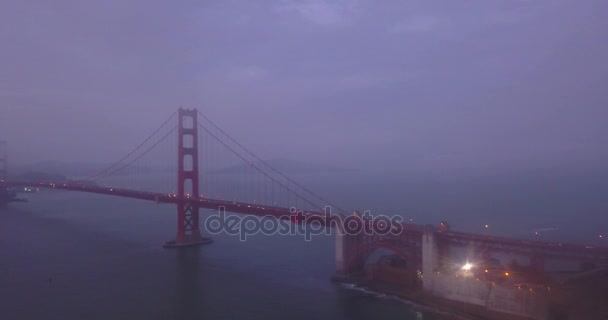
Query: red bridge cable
[258, 169]
[270, 166]
[103, 173]
[141, 155]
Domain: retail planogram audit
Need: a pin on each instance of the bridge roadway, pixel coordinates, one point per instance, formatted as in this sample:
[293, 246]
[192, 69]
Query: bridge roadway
[494, 243]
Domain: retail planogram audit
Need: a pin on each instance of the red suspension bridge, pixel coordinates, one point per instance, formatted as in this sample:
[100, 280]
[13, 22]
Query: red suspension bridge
[227, 176]
[259, 188]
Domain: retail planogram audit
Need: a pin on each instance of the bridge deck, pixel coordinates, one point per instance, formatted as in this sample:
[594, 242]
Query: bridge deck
[491, 242]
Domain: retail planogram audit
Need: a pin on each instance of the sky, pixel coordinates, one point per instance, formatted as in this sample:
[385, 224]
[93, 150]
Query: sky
[447, 86]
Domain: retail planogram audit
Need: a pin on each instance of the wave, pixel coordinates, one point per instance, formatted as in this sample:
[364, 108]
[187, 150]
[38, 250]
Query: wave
[415, 306]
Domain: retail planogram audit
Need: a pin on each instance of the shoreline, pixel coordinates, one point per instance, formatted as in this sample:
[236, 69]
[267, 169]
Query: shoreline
[446, 309]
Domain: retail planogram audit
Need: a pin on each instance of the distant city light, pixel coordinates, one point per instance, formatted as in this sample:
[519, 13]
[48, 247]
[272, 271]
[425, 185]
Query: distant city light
[487, 226]
[506, 274]
[467, 266]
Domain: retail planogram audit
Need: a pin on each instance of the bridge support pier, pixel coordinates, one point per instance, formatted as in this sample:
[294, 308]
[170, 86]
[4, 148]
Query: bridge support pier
[430, 257]
[346, 245]
[188, 232]
[342, 242]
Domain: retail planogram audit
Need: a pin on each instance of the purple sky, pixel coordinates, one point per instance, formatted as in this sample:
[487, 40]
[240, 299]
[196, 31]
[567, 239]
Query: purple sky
[423, 85]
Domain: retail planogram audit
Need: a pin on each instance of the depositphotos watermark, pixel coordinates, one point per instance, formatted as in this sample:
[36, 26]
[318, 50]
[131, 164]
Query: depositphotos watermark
[302, 223]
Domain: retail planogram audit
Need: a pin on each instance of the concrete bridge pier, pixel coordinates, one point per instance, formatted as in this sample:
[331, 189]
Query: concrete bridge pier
[346, 260]
[430, 257]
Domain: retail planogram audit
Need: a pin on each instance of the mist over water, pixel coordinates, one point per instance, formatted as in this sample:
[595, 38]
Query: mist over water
[490, 115]
[78, 255]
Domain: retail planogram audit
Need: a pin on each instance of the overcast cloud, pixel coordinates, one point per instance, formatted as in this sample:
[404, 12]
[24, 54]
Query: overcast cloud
[422, 85]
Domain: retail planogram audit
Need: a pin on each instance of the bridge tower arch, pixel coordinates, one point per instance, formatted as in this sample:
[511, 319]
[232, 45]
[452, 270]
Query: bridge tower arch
[353, 250]
[188, 231]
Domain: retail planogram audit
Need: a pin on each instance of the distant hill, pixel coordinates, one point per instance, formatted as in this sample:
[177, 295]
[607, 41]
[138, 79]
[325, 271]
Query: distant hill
[285, 166]
[56, 168]
[36, 176]
[75, 169]
[83, 169]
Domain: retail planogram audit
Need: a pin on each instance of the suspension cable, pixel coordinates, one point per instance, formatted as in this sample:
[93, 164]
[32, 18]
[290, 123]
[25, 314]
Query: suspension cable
[258, 169]
[95, 177]
[270, 166]
[141, 155]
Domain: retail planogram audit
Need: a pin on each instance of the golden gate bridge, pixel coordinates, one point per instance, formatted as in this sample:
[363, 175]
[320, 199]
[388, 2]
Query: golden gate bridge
[256, 187]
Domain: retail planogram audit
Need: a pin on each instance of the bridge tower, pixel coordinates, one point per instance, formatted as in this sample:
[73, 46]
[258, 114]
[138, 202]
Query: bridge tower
[188, 232]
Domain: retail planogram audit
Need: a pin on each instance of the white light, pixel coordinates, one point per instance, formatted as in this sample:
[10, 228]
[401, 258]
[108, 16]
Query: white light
[467, 266]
